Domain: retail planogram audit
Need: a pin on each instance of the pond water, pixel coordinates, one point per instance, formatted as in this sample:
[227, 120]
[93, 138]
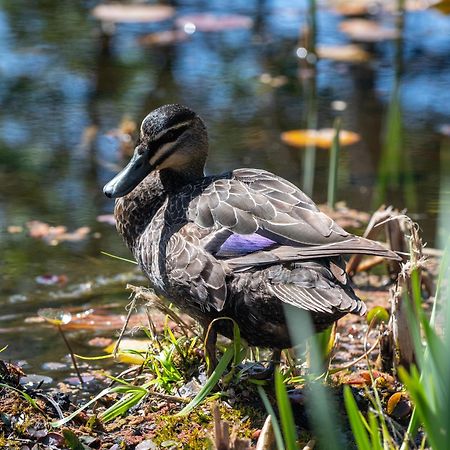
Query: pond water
[67, 82]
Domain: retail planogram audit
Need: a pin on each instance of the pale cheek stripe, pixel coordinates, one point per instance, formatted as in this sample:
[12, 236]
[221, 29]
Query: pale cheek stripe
[161, 151]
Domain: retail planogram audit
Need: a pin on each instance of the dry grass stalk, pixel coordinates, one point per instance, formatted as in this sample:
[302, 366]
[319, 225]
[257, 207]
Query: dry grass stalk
[266, 440]
[152, 300]
[310, 445]
[389, 217]
[402, 297]
[222, 438]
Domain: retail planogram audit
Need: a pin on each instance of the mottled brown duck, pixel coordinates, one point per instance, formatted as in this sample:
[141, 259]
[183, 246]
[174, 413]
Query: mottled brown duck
[246, 244]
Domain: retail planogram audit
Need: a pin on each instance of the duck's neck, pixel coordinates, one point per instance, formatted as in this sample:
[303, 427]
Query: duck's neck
[174, 180]
[134, 211]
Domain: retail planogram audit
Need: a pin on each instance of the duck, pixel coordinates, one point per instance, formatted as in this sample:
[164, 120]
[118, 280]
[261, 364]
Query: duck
[246, 245]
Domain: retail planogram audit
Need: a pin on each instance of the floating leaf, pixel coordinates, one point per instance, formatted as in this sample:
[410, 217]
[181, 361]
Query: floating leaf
[363, 30]
[351, 53]
[54, 235]
[101, 320]
[14, 229]
[130, 351]
[55, 316]
[121, 13]
[319, 138]
[166, 37]
[100, 342]
[210, 22]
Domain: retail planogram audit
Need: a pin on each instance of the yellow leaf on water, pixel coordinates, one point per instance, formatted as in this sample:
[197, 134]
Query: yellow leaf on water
[343, 53]
[320, 138]
[131, 351]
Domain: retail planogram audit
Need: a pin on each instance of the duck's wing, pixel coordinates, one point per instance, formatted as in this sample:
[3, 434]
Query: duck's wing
[195, 270]
[313, 286]
[262, 217]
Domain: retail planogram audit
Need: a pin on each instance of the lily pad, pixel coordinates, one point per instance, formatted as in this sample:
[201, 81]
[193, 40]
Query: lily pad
[211, 22]
[351, 53]
[319, 138]
[363, 30]
[123, 13]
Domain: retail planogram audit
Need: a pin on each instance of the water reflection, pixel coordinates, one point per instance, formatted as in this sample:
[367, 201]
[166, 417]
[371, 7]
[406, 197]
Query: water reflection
[63, 78]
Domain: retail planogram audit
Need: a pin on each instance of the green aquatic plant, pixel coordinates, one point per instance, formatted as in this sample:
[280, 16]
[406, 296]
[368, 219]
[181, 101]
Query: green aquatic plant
[333, 166]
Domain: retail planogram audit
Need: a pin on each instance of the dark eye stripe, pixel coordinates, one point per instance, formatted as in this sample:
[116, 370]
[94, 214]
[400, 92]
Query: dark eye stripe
[169, 136]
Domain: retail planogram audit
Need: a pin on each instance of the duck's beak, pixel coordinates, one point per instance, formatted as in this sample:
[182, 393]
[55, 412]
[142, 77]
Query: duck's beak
[126, 180]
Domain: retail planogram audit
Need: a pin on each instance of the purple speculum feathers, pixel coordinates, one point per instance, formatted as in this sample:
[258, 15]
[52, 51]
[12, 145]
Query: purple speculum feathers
[239, 244]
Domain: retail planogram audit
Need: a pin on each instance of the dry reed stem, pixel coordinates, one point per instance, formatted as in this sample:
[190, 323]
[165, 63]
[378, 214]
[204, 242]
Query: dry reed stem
[266, 440]
[388, 217]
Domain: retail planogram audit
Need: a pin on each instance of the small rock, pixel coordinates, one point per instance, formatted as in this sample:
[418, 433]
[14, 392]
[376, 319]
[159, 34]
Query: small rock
[148, 444]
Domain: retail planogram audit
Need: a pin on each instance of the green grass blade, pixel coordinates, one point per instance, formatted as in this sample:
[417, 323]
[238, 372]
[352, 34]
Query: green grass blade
[275, 425]
[61, 422]
[333, 165]
[72, 440]
[211, 382]
[119, 408]
[94, 358]
[356, 422]
[286, 415]
[375, 438]
[119, 257]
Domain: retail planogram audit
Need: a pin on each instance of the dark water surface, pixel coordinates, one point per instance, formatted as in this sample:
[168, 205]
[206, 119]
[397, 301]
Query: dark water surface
[64, 86]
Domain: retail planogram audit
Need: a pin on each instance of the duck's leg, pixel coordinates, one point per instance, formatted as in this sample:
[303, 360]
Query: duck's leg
[210, 339]
[259, 372]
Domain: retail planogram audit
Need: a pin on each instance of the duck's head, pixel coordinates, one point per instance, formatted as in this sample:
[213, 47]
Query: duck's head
[172, 138]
